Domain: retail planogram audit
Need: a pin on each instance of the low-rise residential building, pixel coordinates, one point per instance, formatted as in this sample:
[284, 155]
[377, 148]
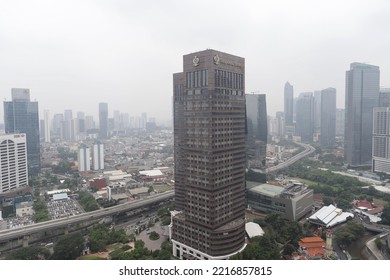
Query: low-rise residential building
[24, 209]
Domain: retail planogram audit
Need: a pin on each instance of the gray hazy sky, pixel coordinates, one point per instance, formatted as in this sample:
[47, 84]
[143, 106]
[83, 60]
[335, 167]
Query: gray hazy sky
[73, 54]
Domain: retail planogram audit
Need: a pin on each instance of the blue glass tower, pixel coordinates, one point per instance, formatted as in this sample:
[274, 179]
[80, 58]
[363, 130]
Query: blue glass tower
[21, 116]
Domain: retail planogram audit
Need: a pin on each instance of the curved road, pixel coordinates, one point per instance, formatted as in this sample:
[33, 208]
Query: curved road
[11, 234]
[308, 150]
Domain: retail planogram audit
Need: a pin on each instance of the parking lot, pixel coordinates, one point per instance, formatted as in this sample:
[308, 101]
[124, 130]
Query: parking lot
[63, 208]
[16, 222]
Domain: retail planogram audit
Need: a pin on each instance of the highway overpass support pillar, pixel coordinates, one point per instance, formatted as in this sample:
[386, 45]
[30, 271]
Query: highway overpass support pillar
[26, 238]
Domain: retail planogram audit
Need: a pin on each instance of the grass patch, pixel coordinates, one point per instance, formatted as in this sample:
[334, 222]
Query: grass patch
[161, 188]
[115, 246]
[380, 202]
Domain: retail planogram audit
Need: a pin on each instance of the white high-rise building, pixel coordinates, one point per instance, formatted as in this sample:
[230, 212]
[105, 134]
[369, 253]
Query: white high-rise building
[84, 158]
[98, 155]
[381, 140]
[13, 162]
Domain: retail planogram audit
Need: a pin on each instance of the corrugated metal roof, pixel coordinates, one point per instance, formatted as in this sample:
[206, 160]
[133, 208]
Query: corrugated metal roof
[253, 229]
[60, 196]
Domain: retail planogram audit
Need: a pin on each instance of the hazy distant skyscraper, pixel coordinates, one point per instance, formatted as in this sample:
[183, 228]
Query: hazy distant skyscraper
[384, 97]
[68, 114]
[210, 160]
[144, 120]
[47, 126]
[256, 112]
[362, 95]
[57, 124]
[328, 117]
[117, 122]
[340, 122]
[317, 111]
[103, 120]
[280, 124]
[304, 125]
[21, 116]
[288, 104]
[89, 123]
[81, 122]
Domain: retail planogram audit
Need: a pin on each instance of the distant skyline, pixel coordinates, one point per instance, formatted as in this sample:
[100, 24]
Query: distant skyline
[77, 54]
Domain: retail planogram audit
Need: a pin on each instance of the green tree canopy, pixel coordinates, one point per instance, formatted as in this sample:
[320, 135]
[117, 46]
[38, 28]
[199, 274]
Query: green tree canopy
[29, 253]
[68, 247]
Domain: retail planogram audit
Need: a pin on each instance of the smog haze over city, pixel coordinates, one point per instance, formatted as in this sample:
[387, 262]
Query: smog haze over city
[75, 54]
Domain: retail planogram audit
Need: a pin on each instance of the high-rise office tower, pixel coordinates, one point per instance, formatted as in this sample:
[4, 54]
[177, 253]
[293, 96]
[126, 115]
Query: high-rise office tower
[57, 124]
[68, 115]
[328, 117]
[210, 160]
[41, 131]
[13, 166]
[124, 121]
[384, 97]
[144, 120]
[340, 122]
[84, 158]
[98, 155]
[81, 122]
[288, 104]
[74, 130]
[117, 120]
[361, 96]
[280, 127]
[89, 123]
[47, 126]
[103, 120]
[304, 126]
[21, 116]
[317, 111]
[257, 130]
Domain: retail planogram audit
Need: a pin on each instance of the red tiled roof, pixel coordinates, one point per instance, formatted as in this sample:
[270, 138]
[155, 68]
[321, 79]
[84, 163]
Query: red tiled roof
[308, 240]
[364, 203]
[376, 210]
[314, 245]
[318, 197]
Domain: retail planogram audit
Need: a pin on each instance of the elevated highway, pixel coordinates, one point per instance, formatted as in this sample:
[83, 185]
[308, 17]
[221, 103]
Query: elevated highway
[308, 151]
[12, 234]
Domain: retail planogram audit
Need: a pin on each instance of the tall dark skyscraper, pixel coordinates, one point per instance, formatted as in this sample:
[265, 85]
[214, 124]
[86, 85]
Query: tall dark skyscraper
[304, 126]
[361, 96]
[328, 117]
[257, 130]
[288, 104]
[210, 160]
[21, 116]
[103, 120]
